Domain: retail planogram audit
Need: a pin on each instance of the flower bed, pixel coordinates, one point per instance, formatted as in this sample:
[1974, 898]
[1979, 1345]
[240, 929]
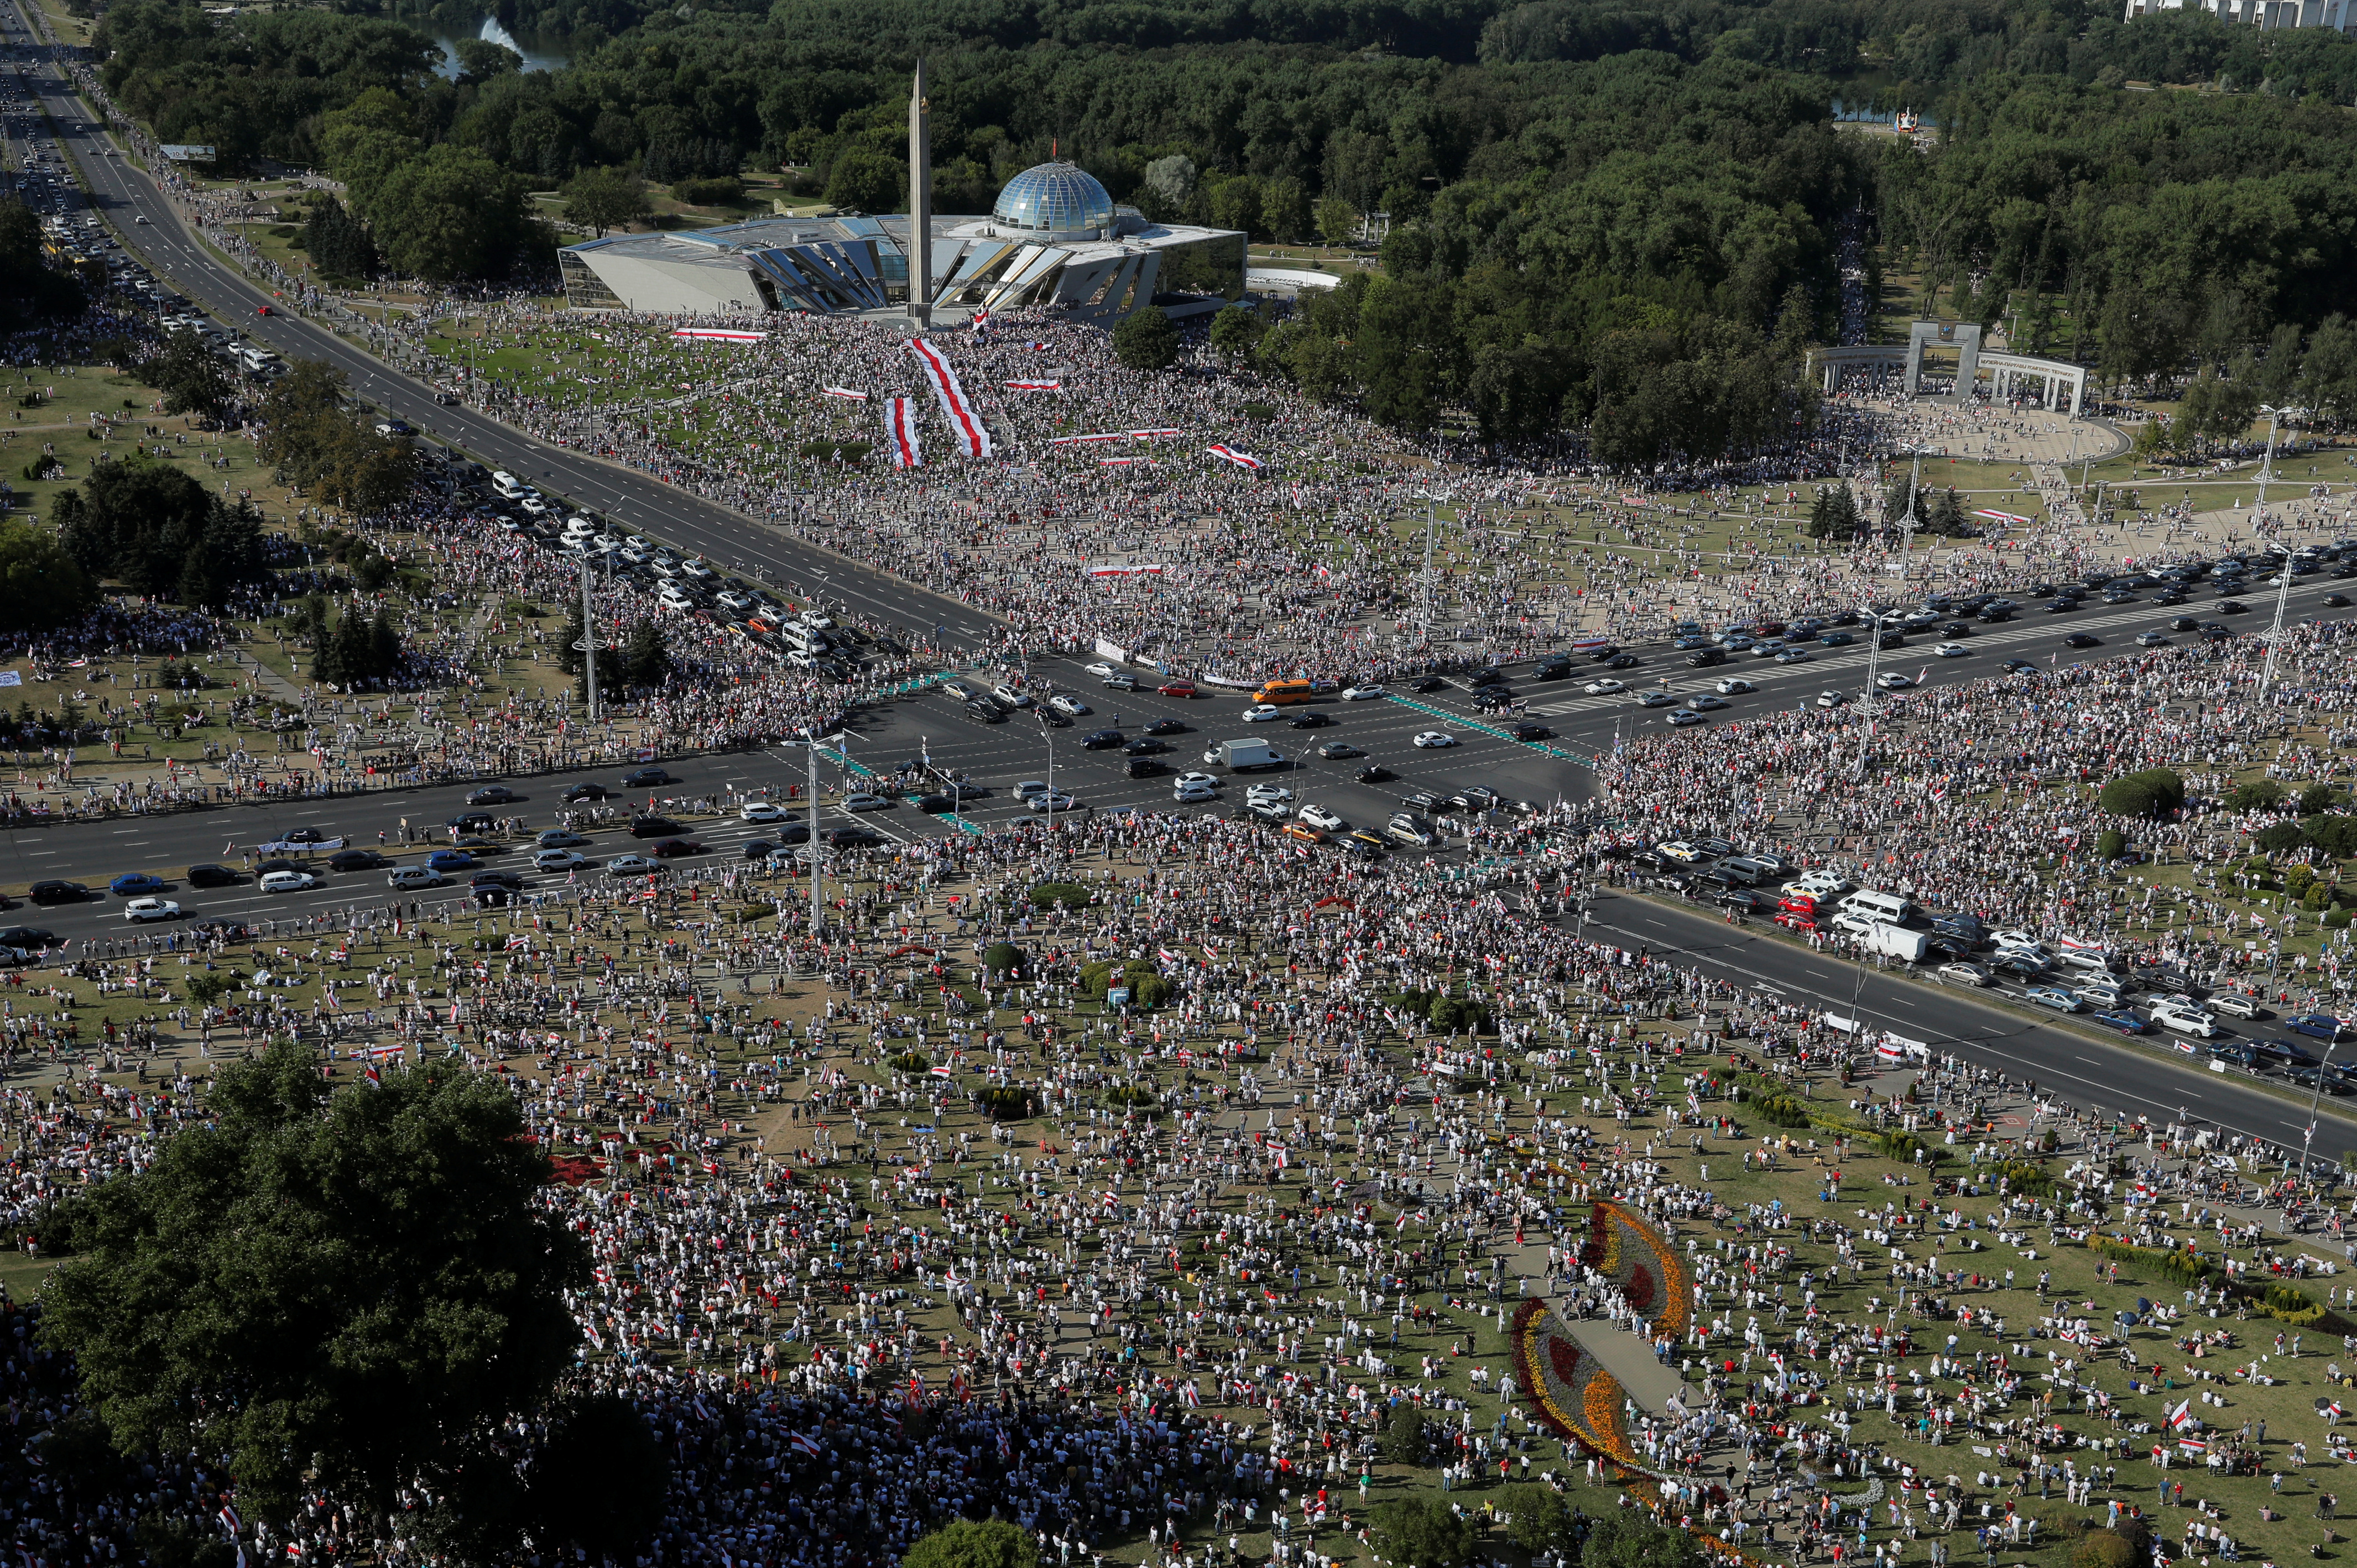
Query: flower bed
[1626, 1249]
[1575, 1396]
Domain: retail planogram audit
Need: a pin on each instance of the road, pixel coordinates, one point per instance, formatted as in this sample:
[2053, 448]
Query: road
[2088, 1071]
[150, 230]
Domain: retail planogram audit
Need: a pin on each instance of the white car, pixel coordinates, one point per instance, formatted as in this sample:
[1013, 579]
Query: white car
[1276, 793]
[2235, 1003]
[1436, 738]
[2014, 937]
[760, 812]
[1605, 687]
[1684, 716]
[1892, 681]
[863, 801]
[1057, 802]
[408, 878]
[731, 599]
[1193, 794]
[289, 882]
[1855, 924]
[673, 599]
[1196, 781]
[1832, 699]
[1319, 816]
[1960, 973]
[140, 909]
[1010, 696]
[1261, 712]
[1100, 669]
[635, 541]
[1950, 650]
[1732, 686]
[559, 859]
[1064, 704]
[1362, 694]
[2194, 1023]
[818, 620]
[695, 568]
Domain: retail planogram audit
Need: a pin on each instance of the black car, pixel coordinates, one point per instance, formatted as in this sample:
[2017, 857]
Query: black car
[1165, 726]
[1532, 731]
[279, 863]
[1335, 750]
[646, 778]
[1427, 684]
[793, 832]
[492, 795]
[303, 836]
[986, 711]
[1745, 899]
[2335, 601]
[2232, 607]
[58, 892]
[1890, 640]
[653, 827]
[2017, 965]
[2082, 639]
[1373, 773]
[1551, 669]
[1421, 801]
[1707, 658]
[32, 939]
[1604, 652]
[1142, 768]
[851, 837]
[2184, 623]
[210, 876]
[356, 860]
[472, 822]
[580, 792]
[1992, 614]
[507, 880]
[1100, 739]
[759, 849]
[1311, 719]
[1622, 662]
[677, 849]
[1146, 749]
[936, 804]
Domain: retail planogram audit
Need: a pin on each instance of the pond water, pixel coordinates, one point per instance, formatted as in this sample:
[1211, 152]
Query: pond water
[539, 53]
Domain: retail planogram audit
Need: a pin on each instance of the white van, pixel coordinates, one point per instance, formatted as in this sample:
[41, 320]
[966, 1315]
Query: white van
[507, 484]
[1887, 908]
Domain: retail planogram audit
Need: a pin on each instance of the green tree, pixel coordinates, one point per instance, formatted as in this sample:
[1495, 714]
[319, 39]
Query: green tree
[1147, 339]
[1833, 513]
[338, 242]
[646, 662]
[355, 1288]
[1236, 331]
[865, 181]
[2154, 792]
[149, 525]
[971, 1543]
[41, 585]
[1630, 1538]
[603, 198]
[1337, 221]
[37, 291]
[1421, 1533]
[1404, 1439]
[1235, 203]
[1537, 1520]
[190, 374]
[480, 60]
[2328, 372]
[449, 213]
[1516, 391]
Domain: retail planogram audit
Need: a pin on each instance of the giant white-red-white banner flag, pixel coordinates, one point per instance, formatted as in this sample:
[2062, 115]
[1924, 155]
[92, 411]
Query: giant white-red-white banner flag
[847, 391]
[901, 431]
[719, 334]
[1240, 459]
[973, 436]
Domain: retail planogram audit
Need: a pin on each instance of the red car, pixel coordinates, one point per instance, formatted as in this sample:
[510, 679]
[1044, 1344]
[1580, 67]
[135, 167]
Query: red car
[1176, 689]
[673, 849]
[261, 310]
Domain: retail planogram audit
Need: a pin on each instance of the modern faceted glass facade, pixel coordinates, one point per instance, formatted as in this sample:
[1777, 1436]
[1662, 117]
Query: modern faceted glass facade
[1055, 201]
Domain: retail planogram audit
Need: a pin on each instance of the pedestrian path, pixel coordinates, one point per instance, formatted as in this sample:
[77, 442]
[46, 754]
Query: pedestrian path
[1460, 722]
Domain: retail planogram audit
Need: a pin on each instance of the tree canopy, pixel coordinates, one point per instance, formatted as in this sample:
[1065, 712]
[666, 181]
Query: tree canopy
[355, 1283]
[146, 523]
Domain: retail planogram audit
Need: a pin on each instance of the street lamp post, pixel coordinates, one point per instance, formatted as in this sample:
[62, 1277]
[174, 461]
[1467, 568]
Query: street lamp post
[2282, 590]
[1869, 705]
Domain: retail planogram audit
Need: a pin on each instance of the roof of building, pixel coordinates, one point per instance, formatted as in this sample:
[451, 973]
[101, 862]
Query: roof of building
[1057, 201]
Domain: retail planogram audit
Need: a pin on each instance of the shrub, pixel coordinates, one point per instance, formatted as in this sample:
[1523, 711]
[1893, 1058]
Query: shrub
[911, 1062]
[207, 986]
[2336, 918]
[2154, 792]
[2315, 799]
[2036, 1181]
[2104, 1548]
[2279, 837]
[2335, 835]
[2111, 844]
[1002, 960]
[1050, 894]
[714, 191]
[2318, 897]
[1421, 1533]
[1403, 1440]
[2257, 794]
[1138, 1097]
[1006, 1102]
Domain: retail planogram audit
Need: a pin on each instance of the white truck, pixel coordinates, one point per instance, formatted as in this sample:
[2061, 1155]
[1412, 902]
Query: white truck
[1242, 756]
[1899, 942]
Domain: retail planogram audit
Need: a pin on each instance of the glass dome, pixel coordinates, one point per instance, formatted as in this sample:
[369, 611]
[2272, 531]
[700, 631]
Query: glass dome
[1057, 200]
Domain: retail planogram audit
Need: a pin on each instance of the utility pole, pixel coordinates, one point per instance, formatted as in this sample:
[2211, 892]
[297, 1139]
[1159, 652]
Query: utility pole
[2283, 590]
[588, 643]
[1872, 700]
[1431, 526]
[817, 854]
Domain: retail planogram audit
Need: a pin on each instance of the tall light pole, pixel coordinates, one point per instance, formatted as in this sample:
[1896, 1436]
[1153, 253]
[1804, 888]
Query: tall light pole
[589, 644]
[1871, 701]
[1431, 527]
[1909, 523]
[2282, 590]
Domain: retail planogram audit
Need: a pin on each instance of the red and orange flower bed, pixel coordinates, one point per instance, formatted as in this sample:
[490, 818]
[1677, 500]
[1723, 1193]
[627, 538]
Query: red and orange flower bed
[1575, 1396]
[1625, 1248]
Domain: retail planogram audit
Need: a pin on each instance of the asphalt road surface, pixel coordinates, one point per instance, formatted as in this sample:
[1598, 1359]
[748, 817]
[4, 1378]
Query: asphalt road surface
[2079, 1069]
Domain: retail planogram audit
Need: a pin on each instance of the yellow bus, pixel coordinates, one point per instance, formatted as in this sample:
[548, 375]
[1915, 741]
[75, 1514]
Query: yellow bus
[1280, 693]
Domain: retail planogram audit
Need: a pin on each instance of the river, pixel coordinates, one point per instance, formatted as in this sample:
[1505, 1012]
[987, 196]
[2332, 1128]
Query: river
[541, 54]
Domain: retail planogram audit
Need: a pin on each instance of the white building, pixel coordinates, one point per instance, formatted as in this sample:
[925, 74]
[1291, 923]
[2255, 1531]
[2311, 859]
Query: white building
[2340, 14]
[1053, 238]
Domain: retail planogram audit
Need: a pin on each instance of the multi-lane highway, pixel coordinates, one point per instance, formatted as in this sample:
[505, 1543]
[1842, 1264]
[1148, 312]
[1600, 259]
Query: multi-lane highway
[2080, 1069]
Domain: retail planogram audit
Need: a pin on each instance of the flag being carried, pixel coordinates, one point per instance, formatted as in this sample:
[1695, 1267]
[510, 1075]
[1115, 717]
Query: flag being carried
[964, 423]
[1035, 386]
[847, 391]
[719, 334]
[1240, 459]
[900, 433]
